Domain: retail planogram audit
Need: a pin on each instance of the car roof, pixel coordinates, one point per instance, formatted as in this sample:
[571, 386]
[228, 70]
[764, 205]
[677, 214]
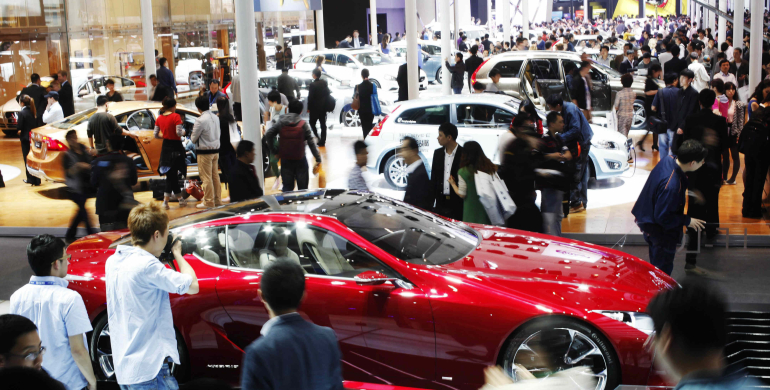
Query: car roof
[537, 54]
[492, 98]
[340, 50]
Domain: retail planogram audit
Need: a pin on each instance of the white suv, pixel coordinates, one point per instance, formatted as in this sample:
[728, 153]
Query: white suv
[420, 119]
[346, 64]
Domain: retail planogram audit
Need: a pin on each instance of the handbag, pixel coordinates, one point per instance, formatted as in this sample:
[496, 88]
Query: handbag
[356, 104]
[494, 196]
[376, 108]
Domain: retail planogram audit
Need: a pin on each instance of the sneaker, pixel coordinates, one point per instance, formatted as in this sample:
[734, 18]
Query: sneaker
[182, 202]
[730, 182]
[577, 209]
[166, 206]
[202, 206]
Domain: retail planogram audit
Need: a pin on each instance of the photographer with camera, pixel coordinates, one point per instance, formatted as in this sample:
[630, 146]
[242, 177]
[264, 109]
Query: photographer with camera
[138, 286]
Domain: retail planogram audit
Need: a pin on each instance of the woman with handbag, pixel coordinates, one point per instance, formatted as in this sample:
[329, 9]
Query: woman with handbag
[168, 127]
[363, 94]
[473, 161]
[650, 90]
[736, 118]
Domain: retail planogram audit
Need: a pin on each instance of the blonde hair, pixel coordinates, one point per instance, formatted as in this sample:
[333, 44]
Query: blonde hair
[144, 220]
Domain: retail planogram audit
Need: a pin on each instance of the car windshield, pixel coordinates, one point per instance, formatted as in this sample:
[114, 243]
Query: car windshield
[401, 230]
[373, 59]
[190, 55]
[74, 120]
[606, 69]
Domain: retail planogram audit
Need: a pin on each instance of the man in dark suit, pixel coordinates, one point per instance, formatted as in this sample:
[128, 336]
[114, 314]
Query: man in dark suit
[446, 162]
[358, 42]
[403, 82]
[628, 64]
[292, 353]
[472, 63]
[675, 64]
[418, 185]
[317, 96]
[711, 131]
[159, 91]
[66, 95]
[244, 183]
[345, 43]
[36, 92]
[687, 101]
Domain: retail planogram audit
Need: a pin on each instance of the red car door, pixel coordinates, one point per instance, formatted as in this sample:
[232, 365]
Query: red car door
[385, 332]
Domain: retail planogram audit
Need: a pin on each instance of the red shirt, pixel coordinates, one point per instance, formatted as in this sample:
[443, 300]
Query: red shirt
[168, 124]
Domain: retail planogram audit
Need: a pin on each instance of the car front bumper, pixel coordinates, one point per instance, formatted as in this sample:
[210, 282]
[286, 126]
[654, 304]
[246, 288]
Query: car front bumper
[611, 162]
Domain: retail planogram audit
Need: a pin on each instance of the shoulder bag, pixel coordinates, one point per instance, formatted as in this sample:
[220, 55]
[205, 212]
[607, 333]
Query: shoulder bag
[494, 196]
[356, 101]
[376, 109]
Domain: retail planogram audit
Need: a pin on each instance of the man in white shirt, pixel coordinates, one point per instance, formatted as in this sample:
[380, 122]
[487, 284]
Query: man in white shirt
[724, 73]
[58, 312]
[53, 111]
[494, 75]
[138, 306]
[663, 57]
[701, 80]
[446, 163]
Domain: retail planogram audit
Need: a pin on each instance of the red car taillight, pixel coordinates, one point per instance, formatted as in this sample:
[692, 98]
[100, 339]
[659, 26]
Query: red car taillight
[53, 145]
[473, 77]
[378, 127]
[224, 90]
[14, 118]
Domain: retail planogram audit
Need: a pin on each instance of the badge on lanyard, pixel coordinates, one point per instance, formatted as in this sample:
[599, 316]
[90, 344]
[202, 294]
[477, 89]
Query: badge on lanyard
[42, 283]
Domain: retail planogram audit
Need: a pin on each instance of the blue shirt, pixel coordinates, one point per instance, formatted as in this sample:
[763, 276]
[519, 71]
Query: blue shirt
[730, 379]
[166, 77]
[139, 313]
[660, 207]
[576, 126]
[668, 106]
[58, 313]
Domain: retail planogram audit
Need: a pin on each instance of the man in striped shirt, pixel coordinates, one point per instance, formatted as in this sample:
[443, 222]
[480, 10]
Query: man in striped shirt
[356, 180]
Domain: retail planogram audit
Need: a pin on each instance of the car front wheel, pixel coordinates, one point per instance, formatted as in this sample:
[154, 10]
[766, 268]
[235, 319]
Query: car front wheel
[553, 344]
[351, 119]
[438, 75]
[395, 173]
[640, 115]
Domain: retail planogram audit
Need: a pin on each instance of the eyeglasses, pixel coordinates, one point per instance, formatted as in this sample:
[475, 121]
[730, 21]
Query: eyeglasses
[30, 357]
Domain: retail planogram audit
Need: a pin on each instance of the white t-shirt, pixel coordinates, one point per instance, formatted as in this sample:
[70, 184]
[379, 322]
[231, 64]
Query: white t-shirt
[58, 313]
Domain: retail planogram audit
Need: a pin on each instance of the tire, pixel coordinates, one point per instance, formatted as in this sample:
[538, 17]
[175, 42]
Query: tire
[395, 173]
[11, 133]
[100, 351]
[350, 118]
[377, 83]
[640, 115]
[438, 75]
[562, 338]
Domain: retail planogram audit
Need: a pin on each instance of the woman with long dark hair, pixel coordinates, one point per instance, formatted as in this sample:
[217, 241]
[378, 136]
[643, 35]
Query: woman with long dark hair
[385, 45]
[650, 90]
[736, 118]
[473, 160]
[228, 127]
[760, 93]
[168, 127]
[25, 123]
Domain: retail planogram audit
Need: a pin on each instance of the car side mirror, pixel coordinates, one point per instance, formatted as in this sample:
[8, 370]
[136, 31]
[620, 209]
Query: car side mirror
[372, 278]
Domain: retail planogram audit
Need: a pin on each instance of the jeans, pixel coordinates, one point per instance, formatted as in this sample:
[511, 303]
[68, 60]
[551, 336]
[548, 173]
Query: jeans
[662, 251]
[579, 193]
[664, 142]
[292, 170]
[551, 207]
[164, 381]
[319, 115]
[80, 216]
[457, 90]
[208, 168]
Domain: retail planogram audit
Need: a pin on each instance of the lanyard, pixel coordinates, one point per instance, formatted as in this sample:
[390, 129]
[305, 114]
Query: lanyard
[215, 98]
[42, 283]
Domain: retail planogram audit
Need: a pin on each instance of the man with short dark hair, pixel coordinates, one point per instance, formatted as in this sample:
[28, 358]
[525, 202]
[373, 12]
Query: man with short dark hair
[293, 134]
[102, 126]
[66, 97]
[687, 103]
[659, 210]
[159, 91]
[24, 378]
[37, 93]
[494, 76]
[166, 76]
[58, 312]
[356, 179]
[20, 345]
[53, 111]
[457, 71]
[628, 64]
[553, 176]
[675, 64]
[711, 131]
[113, 174]
[287, 85]
[666, 105]
[418, 186]
[471, 64]
[213, 94]
[317, 96]
[289, 341]
[690, 332]
[446, 163]
[137, 287]
[245, 183]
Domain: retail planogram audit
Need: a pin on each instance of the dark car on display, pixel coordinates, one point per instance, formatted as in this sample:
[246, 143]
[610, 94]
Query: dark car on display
[415, 300]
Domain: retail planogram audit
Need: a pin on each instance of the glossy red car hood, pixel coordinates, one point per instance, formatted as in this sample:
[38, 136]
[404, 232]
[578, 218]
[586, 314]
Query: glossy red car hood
[524, 262]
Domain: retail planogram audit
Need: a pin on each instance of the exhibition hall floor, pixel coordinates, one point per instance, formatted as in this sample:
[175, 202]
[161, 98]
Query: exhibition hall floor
[609, 208]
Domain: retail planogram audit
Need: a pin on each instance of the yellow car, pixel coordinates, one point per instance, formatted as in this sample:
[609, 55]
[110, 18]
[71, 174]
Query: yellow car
[49, 144]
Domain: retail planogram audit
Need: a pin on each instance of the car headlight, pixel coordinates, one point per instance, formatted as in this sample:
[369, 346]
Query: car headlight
[605, 144]
[639, 321]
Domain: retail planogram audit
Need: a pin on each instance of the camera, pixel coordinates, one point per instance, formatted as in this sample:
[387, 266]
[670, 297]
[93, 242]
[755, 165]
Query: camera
[187, 248]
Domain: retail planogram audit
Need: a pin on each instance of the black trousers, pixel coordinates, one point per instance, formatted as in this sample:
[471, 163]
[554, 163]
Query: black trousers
[237, 111]
[227, 163]
[731, 147]
[708, 211]
[449, 208]
[367, 122]
[25, 151]
[80, 216]
[292, 170]
[756, 172]
[316, 116]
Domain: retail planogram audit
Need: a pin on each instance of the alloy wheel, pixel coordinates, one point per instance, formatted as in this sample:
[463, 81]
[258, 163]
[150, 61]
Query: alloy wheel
[104, 354]
[352, 119]
[397, 172]
[640, 116]
[547, 352]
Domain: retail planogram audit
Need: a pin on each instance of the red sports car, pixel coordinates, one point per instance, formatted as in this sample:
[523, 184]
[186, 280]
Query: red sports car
[415, 300]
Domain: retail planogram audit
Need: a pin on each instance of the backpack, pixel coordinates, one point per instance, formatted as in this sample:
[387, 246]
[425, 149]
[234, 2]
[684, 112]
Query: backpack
[755, 136]
[330, 102]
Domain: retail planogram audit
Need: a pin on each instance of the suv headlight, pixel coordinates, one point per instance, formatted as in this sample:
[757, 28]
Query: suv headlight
[604, 144]
[639, 321]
